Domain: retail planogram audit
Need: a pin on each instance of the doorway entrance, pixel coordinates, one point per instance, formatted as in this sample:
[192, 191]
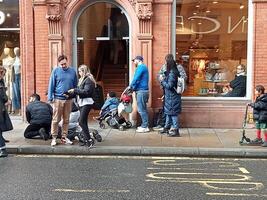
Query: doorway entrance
[103, 45]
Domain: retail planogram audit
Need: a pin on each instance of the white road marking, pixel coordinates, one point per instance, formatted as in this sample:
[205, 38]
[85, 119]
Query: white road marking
[231, 194]
[243, 170]
[91, 191]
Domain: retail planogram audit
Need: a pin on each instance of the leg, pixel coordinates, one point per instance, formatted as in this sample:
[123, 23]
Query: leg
[142, 99]
[32, 131]
[175, 126]
[3, 152]
[167, 125]
[57, 113]
[83, 121]
[66, 115]
[265, 137]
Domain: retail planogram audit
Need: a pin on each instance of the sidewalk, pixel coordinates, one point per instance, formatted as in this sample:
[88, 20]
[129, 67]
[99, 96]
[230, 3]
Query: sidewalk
[193, 142]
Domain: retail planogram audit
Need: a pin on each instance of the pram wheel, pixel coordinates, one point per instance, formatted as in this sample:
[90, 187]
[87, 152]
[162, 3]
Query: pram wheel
[102, 125]
[129, 124]
[121, 128]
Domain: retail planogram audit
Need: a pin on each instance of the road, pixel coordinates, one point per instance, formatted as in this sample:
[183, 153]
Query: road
[114, 177]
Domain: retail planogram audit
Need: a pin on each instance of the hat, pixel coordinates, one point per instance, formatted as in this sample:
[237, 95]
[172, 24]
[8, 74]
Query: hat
[138, 58]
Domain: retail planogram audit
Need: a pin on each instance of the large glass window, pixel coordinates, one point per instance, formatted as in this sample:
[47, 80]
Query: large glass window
[10, 53]
[211, 43]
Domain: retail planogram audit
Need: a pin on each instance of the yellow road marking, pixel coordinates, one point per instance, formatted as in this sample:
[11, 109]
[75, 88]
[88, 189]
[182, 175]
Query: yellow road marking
[243, 170]
[90, 191]
[241, 194]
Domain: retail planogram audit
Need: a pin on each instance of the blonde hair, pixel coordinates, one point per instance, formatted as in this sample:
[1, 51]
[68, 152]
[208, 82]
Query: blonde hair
[87, 73]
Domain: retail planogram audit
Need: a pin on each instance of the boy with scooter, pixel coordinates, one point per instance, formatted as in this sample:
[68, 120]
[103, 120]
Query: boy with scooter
[260, 115]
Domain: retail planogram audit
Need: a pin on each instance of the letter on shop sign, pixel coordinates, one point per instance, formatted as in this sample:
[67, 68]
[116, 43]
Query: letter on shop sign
[243, 19]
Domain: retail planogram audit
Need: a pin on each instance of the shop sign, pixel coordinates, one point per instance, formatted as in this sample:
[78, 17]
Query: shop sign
[217, 24]
[2, 17]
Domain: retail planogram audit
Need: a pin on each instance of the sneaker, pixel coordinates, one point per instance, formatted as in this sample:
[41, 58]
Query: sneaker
[90, 143]
[158, 128]
[66, 141]
[3, 153]
[174, 133]
[97, 136]
[264, 144]
[43, 134]
[256, 141]
[54, 142]
[142, 130]
[164, 131]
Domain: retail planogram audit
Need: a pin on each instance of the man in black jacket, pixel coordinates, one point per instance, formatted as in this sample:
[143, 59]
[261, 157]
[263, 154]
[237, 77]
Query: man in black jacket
[39, 115]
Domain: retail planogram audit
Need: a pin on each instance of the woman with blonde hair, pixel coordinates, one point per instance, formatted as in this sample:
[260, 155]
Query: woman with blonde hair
[84, 93]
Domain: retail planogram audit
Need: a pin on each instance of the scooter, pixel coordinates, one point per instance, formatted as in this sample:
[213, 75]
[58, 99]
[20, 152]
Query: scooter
[245, 140]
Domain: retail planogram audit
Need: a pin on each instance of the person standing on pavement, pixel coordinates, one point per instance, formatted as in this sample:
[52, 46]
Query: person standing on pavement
[5, 122]
[39, 116]
[172, 100]
[139, 84]
[260, 115]
[161, 72]
[61, 80]
[85, 93]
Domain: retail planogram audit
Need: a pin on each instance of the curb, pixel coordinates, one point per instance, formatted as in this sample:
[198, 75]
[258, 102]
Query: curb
[139, 151]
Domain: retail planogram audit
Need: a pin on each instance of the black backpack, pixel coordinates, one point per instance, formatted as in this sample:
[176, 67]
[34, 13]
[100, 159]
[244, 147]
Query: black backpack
[98, 97]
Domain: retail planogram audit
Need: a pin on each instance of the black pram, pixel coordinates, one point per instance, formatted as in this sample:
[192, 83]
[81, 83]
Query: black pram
[113, 119]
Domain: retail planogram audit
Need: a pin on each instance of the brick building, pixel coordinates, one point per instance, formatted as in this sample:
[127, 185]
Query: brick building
[210, 38]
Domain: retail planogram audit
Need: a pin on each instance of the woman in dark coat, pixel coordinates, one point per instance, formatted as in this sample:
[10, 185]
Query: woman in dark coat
[84, 93]
[172, 100]
[5, 122]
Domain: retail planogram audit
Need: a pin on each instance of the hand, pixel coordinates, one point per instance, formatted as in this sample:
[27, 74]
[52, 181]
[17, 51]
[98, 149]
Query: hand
[161, 78]
[71, 91]
[65, 95]
[8, 103]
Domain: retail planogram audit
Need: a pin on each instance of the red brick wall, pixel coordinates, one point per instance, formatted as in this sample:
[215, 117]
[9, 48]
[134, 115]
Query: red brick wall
[161, 45]
[42, 68]
[260, 43]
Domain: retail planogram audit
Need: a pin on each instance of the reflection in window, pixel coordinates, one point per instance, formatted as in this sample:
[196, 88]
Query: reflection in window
[211, 42]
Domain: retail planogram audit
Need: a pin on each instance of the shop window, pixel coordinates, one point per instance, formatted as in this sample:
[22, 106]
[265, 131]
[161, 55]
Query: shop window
[211, 43]
[9, 51]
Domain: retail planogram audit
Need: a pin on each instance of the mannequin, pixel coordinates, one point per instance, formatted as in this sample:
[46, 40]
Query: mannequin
[17, 78]
[9, 78]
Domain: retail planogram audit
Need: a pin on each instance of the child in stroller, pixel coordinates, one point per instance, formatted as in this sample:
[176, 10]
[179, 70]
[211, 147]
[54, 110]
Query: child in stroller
[109, 113]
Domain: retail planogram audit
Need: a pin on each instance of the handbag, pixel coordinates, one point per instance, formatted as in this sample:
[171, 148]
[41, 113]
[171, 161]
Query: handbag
[180, 85]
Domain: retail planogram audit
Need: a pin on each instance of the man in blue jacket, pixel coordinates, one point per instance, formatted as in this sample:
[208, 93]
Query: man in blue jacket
[62, 79]
[139, 84]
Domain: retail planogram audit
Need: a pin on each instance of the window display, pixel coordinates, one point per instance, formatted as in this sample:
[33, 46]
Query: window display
[211, 42]
[9, 51]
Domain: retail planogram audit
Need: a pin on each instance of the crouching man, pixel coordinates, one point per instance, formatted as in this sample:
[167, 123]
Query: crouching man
[39, 116]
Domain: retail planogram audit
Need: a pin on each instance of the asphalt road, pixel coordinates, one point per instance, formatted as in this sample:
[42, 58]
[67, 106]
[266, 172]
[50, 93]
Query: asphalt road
[93, 177]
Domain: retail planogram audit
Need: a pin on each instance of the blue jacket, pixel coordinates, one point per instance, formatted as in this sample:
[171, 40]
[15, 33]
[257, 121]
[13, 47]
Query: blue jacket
[110, 103]
[172, 100]
[140, 79]
[61, 81]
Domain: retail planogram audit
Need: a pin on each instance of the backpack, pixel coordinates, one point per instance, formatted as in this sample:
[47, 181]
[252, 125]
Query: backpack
[98, 97]
[180, 85]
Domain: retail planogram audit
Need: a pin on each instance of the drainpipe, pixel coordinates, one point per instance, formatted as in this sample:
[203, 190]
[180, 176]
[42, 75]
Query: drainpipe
[34, 59]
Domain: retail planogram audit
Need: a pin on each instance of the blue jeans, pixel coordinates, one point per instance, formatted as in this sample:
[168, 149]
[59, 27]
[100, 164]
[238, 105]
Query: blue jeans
[172, 121]
[142, 99]
[16, 93]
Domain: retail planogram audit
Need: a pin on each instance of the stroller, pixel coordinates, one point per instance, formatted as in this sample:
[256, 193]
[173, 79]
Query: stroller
[114, 117]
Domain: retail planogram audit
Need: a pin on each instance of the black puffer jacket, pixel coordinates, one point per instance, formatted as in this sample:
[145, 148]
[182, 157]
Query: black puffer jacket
[172, 100]
[38, 112]
[260, 109]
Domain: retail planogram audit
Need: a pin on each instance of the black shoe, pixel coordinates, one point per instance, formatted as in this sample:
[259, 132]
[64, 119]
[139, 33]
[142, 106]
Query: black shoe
[264, 144]
[3, 153]
[256, 141]
[90, 143]
[97, 136]
[43, 134]
[164, 131]
[174, 133]
[6, 141]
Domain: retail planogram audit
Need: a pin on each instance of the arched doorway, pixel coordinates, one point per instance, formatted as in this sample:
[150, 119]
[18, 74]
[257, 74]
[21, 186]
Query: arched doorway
[102, 42]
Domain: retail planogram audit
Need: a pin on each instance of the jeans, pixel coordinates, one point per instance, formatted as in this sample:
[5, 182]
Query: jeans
[61, 109]
[2, 141]
[33, 130]
[142, 99]
[83, 120]
[172, 121]
[16, 93]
